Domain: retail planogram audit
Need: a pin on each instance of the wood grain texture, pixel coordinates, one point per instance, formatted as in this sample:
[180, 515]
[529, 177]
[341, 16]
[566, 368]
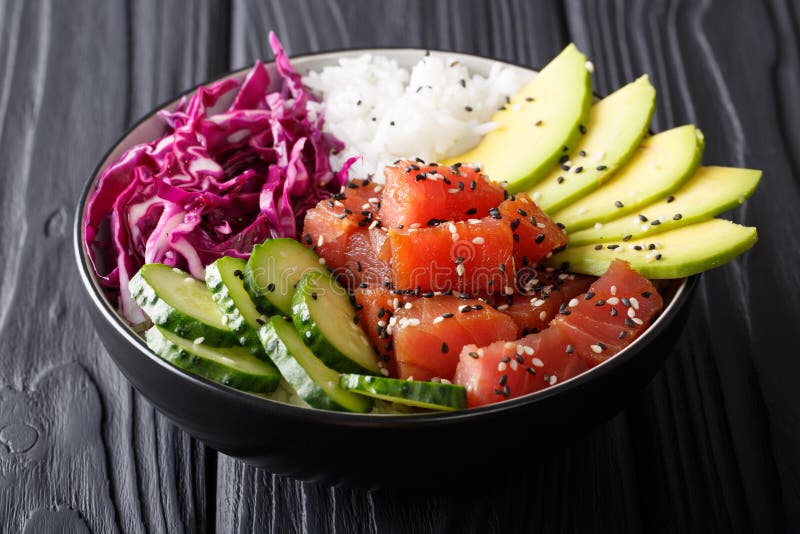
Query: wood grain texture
[711, 445]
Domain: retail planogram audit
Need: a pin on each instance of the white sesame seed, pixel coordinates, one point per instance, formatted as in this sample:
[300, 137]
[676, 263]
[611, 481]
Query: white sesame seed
[528, 350]
[453, 190]
[455, 237]
[407, 306]
[600, 155]
[322, 261]
[631, 313]
[513, 364]
[502, 307]
[542, 316]
[415, 225]
[460, 269]
[540, 225]
[381, 323]
[638, 321]
[573, 303]
[438, 319]
[373, 200]
[413, 322]
[199, 340]
[378, 188]
[520, 349]
[509, 345]
[597, 349]
[478, 241]
[634, 303]
[613, 290]
[649, 258]
[436, 379]
[501, 366]
[562, 276]
[536, 362]
[553, 379]
[474, 221]
[509, 290]
[537, 302]
[613, 301]
[480, 352]
[451, 227]
[365, 206]
[373, 224]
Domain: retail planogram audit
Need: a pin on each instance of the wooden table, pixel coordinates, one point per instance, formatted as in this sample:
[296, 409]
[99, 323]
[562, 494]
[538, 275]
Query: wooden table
[710, 446]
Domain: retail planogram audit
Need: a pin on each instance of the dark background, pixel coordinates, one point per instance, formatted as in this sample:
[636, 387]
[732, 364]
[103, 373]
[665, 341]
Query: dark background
[710, 446]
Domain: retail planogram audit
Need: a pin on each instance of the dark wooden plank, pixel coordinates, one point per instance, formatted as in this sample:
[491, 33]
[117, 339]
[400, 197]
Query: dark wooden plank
[78, 448]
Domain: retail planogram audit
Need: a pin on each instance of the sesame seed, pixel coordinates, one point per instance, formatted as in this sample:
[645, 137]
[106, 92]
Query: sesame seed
[597, 349]
[473, 355]
[598, 247]
[448, 315]
[631, 313]
[569, 349]
[602, 167]
[619, 204]
[613, 301]
[199, 340]
[677, 217]
[478, 241]
[542, 316]
[622, 334]
[670, 199]
[460, 270]
[642, 218]
[438, 319]
[638, 321]
[445, 348]
[573, 303]
[502, 366]
[322, 261]
[634, 302]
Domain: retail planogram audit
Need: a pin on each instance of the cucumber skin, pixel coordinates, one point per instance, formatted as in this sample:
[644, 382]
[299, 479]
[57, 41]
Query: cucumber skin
[216, 372]
[165, 316]
[313, 338]
[236, 321]
[294, 373]
[413, 393]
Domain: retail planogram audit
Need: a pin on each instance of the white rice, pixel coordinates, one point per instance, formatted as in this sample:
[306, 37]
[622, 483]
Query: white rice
[383, 112]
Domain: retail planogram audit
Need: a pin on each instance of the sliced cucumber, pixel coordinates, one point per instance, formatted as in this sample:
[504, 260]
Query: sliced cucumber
[232, 366]
[315, 383]
[225, 280]
[176, 301]
[274, 268]
[431, 395]
[324, 316]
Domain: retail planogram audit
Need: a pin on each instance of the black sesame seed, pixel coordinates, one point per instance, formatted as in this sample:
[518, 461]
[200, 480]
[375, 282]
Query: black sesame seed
[655, 222]
[601, 345]
[472, 185]
[670, 199]
[560, 179]
[658, 257]
[578, 170]
[613, 247]
[516, 238]
[445, 348]
[260, 321]
[677, 217]
[460, 186]
[356, 319]
[528, 99]
[531, 370]
[582, 128]
[637, 247]
[601, 167]
[519, 358]
[627, 237]
[313, 295]
[622, 334]
[447, 315]
[582, 153]
[600, 302]
[642, 218]
[563, 159]
[420, 177]
[467, 108]
[307, 237]
[613, 312]
[598, 247]
[588, 296]
[539, 239]
[569, 349]
[463, 82]
[505, 359]
[498, 391]
[503, 380]
[629, 322]
[502, 267]
[619, 204]
[564, 148]
[270, 287]
[522, 212]
[651, 246]
[506, 391]
[515, 224]
[625, 302]
[381, 312]
[538, 123]
[565, 167]
[646, 294]
[358, 266]
[494, 213]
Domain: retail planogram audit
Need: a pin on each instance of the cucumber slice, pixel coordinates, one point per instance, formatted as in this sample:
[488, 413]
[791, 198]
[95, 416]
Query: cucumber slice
[232, 366]
[311, 379]
[274, 268]
[225, 280]
[324, 316]
[431, 395]
[176, 301]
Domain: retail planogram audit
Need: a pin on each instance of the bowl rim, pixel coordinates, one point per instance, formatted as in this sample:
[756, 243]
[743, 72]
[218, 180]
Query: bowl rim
[679, 299]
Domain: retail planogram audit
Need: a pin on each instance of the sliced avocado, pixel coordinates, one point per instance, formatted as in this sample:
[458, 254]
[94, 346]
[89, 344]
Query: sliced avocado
[659, 166]
[675, 254]
[710, 191]
[616, 126]
[534, 126]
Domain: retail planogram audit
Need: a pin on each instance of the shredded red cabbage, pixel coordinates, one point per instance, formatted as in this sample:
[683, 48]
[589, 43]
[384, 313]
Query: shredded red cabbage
[213, 185]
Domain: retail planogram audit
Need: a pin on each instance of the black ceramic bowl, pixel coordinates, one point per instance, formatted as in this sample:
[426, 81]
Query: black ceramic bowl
[359, 449]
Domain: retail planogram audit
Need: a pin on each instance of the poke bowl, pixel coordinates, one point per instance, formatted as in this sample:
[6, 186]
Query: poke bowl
[382, 447]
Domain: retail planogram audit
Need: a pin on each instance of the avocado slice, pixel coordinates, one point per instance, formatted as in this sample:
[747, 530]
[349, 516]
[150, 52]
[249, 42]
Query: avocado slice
[710, 191]
[616, 126]
[659, 166]
[674, 254]
[534, 126]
